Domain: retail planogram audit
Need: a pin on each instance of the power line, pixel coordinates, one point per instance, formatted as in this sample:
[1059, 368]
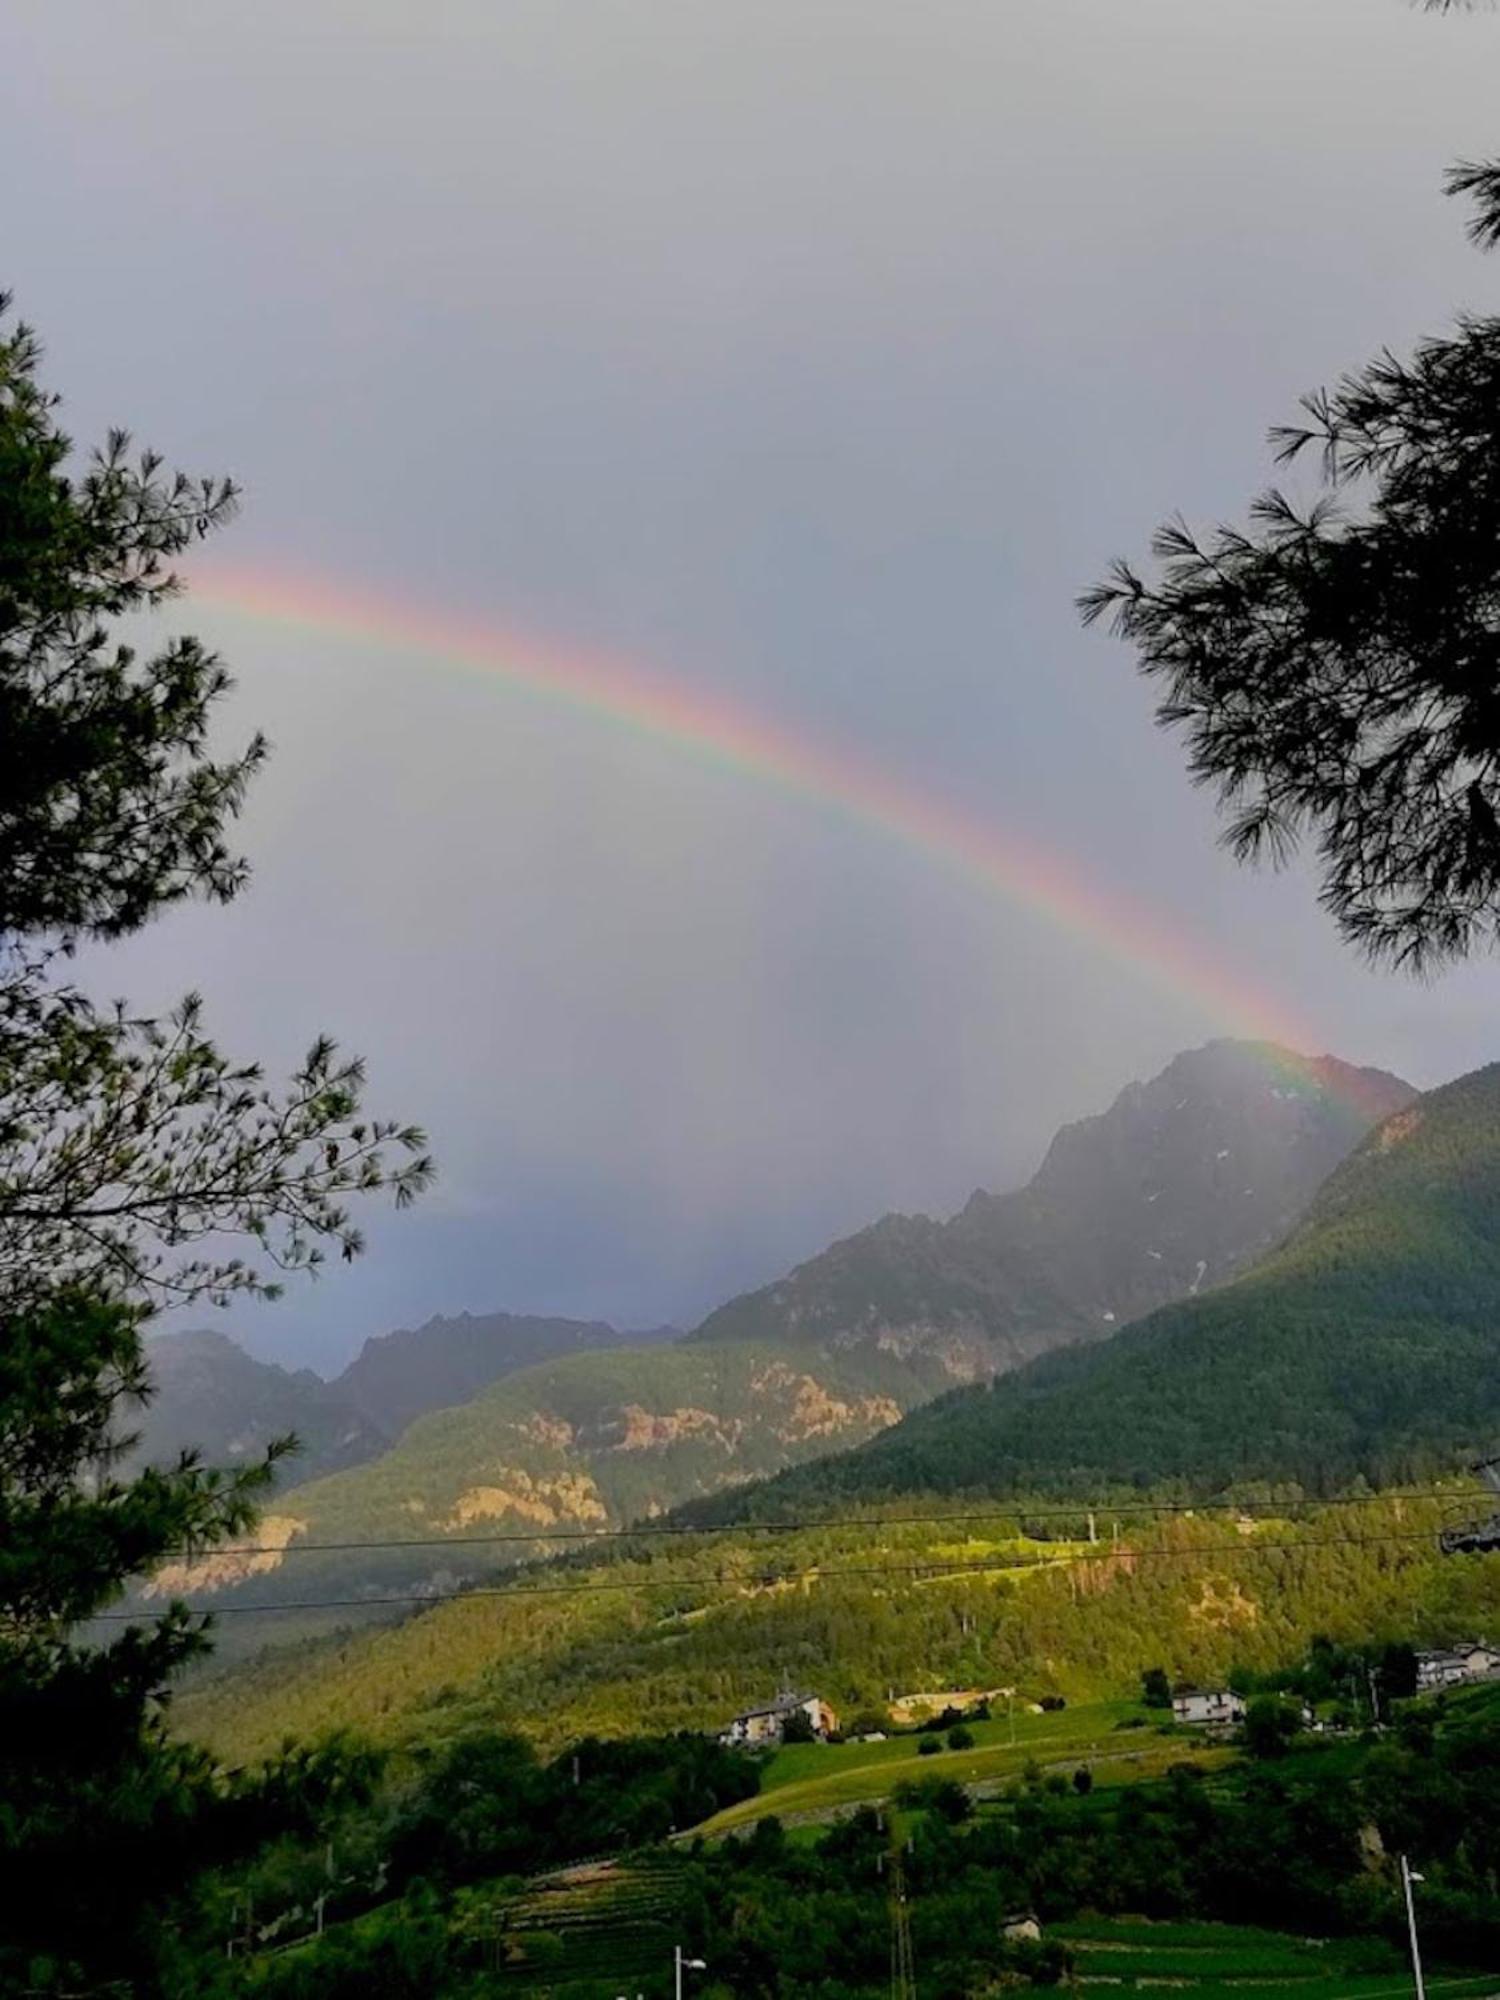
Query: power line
[912, 1571]
[679, 1530]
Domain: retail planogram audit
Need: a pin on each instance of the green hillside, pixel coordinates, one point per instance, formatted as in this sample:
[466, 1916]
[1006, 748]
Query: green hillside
[571, 1446]
[1367, 1347]
[679, 1633]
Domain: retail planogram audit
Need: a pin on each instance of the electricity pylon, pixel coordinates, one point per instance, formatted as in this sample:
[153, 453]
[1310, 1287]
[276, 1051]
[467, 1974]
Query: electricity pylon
[903, 1965]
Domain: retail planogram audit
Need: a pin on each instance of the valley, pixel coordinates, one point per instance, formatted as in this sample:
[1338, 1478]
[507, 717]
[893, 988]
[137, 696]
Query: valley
[1183, 1182]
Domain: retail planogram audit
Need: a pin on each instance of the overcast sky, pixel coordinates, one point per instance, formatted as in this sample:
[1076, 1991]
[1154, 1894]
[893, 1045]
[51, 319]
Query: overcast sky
[813, 355]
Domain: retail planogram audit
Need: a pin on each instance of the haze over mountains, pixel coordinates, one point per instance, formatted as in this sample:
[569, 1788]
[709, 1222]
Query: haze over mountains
[213, 1396]
[1179, 1184]
[1366, 1347]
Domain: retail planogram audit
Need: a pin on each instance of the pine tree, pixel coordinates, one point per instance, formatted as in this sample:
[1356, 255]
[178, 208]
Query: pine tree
[1335, 668]
[127, 1145]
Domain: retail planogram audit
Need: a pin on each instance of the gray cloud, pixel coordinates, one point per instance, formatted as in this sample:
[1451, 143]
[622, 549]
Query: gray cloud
[816, 354]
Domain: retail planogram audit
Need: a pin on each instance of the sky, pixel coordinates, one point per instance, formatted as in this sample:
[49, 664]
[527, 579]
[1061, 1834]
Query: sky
[787, 365]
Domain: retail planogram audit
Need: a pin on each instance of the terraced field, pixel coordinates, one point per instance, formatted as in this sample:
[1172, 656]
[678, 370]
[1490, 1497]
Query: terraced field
[813, 1781]
[1223, 1962]
[593, 1931]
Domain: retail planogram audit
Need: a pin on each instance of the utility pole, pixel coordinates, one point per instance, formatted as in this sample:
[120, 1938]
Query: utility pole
[903, 1965]
[1407, 1878]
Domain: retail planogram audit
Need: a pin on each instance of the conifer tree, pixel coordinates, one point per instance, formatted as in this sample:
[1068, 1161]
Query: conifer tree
[133, 1154]
[1335, 666]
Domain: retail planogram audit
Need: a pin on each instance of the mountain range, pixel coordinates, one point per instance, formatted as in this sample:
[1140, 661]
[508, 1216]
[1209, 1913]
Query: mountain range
[1366, 1348]
[210, 1395]
[1182, 1182]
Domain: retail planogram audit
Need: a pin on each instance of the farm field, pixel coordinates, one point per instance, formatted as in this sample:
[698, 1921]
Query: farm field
[592, 1931]
[1215, 1961]
[812, 1780]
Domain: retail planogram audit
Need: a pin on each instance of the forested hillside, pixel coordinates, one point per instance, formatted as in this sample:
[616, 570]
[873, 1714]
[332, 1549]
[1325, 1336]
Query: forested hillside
[397, 1377]
[1366, 1348]
[567, 1448]
[672, 1633]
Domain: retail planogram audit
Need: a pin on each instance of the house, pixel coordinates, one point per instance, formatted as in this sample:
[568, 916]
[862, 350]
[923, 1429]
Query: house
[758, 1726]
[1205, 1707]
[1023, 1927]
[1450, 1666]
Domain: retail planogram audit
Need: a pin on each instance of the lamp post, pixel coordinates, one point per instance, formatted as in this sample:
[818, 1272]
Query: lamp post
[1407, 1878]
[681, 1965]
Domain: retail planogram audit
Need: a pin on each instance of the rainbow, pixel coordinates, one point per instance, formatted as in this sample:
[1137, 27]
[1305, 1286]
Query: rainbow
[713, 729]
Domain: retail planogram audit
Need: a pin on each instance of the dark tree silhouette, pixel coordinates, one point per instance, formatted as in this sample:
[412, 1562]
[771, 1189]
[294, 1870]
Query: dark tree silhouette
[1335, 667]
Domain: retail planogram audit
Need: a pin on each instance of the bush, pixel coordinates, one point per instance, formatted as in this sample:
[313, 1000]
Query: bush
[1270, 1724]
[1051, 1703]
[929, 1746]
[960, 1738]
[1083, 1781]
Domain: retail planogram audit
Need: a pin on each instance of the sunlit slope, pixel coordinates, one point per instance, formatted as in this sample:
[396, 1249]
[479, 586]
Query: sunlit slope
[569, 1447]
[1369, 1345]
[677, 1633]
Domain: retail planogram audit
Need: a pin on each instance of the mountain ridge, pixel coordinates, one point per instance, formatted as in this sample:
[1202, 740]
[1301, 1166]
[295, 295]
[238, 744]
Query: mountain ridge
[606, 1437]
[1366, 1347]
[1130, 1208]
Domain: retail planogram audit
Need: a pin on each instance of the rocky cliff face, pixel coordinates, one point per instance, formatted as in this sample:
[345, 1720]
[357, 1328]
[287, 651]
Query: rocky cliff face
[1181, 1183]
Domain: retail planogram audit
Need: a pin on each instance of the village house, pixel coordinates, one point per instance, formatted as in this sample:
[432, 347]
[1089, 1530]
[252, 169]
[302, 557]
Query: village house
[1450, 1666]
[1205, 1707]
[759, 1726]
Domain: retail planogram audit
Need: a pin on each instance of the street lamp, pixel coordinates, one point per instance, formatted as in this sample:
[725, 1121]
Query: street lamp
[1407, 1878]
[681, 1965]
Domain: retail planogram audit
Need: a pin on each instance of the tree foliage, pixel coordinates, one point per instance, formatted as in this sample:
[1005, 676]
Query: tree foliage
[133, 1153]
[1335, 665]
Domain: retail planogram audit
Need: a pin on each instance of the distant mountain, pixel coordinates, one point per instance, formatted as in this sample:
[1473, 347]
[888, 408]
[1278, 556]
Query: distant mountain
[397, 1377]
[566, 1448]
[1368, 1346]
[1181, 1183]
[1178, 1183]
[212, 1396]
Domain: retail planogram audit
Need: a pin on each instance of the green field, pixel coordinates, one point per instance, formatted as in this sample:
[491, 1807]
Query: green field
[809, 1780]
[592, 1932]
[1217, 1961]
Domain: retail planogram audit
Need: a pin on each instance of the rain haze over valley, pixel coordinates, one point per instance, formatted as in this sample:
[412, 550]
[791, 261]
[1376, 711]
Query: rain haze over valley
[811, 360]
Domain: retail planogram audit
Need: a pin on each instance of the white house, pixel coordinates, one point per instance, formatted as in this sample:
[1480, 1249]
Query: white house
[1204, 1707]
[757, 1726]
[1450, 1666]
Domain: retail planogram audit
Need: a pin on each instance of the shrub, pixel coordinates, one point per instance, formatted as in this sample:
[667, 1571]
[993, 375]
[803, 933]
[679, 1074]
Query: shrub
[929, 1746]
[960, 1738]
